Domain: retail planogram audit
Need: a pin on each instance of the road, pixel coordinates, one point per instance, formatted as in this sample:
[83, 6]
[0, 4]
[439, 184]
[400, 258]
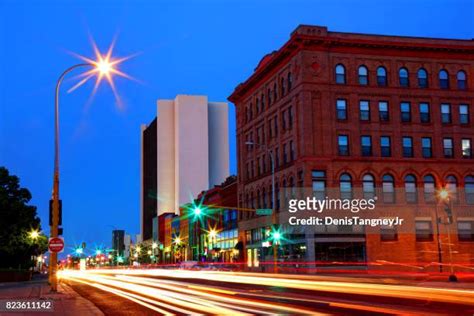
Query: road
[169, 292]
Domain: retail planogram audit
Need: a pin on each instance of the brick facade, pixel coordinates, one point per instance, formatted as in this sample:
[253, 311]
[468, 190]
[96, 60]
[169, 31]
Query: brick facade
[298, 122]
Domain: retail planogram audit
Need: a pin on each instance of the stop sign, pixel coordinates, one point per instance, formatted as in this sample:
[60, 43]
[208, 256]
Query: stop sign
[56, 244]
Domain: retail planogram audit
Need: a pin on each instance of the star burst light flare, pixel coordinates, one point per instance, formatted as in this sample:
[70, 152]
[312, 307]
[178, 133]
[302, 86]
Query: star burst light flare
[104, 66]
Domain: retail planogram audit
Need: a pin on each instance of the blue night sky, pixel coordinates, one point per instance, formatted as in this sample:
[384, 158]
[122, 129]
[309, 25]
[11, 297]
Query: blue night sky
[185, 48]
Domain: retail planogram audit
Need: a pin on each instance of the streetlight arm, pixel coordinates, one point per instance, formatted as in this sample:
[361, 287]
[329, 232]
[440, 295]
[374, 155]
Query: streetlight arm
[56, 114]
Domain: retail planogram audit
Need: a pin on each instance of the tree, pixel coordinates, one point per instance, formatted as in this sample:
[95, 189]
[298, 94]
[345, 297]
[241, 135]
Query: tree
[17, 220]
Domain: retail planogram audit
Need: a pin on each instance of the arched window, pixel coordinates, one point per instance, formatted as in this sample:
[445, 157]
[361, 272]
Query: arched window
[410, 189]
[429, 188]
[403, 77]
[469, 189]
[345, 186]
[363, 75]
[381, 76]
[388, 189]
[368, 186]
[282, 86]
[422, 78]
[264, 198]
[452, 187]
[290, 81]
[340, 74]
[443, 79]
[252, 201]
[462, 80]
[258, 199]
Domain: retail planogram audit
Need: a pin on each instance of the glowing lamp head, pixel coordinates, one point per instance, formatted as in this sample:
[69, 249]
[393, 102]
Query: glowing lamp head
[98, 252]
[104, 66]
[443, 194]
[139, 249]
[34, 234]
[79, 251]
[154, 245]
[212, 233]
[177, 240]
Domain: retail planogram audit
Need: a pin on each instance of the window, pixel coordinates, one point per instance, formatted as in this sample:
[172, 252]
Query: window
[405, 110]
[463, 114]
[466, 148]
[461, 78]
[466, 230]
[282, 87]
[247, 171]
[429, 187]
[290, 81]
[368, 186]
[383, 111]
[410, 189]
[277, 157]
[363, 75]
[388, 233]
[443, 79]
[446, 113]
[275, 124]
[283, 120]
[385, 148]
[250, 111]
[262, 100]
[448, 147]
[343, 145]
[381, 77]
[275, 92]
[319, 184]
[407, 144]
[285, 155]
[426, 150]
[364, 108]
[257, 105]
[345, 186]
[341, 107]
[424, 231]
[424, 113]
[452, 187]
[388, 189]
[422, 78]
[269, 96]
[292, 151]
[403, 77]
[290, 117]
[469, 189]
[366, 145]
[340, 74]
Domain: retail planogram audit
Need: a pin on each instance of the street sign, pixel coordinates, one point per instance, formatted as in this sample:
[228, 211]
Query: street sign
[56, 244]
[264, 211]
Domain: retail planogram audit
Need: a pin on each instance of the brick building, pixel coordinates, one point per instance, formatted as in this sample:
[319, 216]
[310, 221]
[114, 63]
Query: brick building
[365, 113]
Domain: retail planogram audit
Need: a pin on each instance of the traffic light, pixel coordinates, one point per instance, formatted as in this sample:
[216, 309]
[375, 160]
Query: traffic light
[60, 218]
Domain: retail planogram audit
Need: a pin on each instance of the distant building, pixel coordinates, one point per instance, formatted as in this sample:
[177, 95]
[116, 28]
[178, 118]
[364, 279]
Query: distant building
[127, 244]
[184, 150]
[118, 242]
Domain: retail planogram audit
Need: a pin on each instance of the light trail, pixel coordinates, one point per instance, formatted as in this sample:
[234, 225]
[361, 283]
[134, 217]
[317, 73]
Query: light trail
[184, 291]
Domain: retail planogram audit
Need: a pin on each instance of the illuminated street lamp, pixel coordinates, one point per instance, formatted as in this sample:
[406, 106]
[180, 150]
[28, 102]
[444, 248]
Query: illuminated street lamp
[34, 234]
[79, 251]
[274, 217]
[154, 245]
[98, 252]
[102, 66]
[444, 196]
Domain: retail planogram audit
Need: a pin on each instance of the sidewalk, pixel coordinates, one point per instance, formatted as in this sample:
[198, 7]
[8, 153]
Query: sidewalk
[65, 302]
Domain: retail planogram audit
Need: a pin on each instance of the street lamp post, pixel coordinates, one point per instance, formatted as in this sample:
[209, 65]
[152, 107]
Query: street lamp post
[53, 258]
[274, 217]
